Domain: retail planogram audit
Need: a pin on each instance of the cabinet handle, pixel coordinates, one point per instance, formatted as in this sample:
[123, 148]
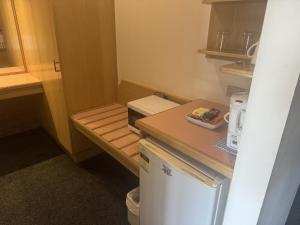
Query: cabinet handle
[56, 66]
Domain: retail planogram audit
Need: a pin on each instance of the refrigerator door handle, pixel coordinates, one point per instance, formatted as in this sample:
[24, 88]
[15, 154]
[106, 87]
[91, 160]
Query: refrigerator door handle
[202, 177]
[180, 165]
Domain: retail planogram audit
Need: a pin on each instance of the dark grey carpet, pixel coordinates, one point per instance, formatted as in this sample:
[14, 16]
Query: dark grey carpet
[58, 192]
[22, 150]
[39, 185]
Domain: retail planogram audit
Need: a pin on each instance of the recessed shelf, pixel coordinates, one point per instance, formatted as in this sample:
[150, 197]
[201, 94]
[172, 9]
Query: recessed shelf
[239, 69]
[230, 55]
[12, 86]
[227, 1]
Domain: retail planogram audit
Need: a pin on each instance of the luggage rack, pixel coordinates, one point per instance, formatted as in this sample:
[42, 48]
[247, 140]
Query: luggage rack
[107, 127]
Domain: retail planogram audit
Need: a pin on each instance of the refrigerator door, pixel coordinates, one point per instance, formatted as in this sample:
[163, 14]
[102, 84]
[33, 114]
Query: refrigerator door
[173, 193]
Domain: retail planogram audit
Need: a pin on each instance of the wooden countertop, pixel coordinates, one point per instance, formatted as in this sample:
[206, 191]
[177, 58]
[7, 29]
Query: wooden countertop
[197, 142]
[12, 86]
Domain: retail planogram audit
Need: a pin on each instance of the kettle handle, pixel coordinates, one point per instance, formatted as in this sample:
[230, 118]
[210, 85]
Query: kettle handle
[226, 117]
[250, 48]
[237, 118]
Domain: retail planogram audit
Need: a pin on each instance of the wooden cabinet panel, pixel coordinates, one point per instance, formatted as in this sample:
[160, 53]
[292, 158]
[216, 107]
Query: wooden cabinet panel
[86, 40]
[236, 18]
[85, 34]
[8, 28]
[37, 31]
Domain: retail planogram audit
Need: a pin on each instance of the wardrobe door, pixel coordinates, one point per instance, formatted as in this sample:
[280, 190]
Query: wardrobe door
[85, 32]
[39, 39]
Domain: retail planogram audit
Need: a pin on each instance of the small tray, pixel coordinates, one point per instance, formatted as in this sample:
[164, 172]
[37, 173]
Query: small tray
[204, 124]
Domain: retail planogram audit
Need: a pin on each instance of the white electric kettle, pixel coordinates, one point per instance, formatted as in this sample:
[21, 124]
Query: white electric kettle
[238, 105]
[254, 55]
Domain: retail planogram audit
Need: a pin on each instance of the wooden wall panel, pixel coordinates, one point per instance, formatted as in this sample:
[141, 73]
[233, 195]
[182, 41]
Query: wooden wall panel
[37, 30]
[86, 40]
[85, 33]
[129, 91]
[235, 18]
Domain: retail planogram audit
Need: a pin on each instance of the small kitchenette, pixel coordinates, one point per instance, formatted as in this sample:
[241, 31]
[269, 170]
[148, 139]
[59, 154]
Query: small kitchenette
[199, 143]
[179, 161]
[182, 164]
[125, 112]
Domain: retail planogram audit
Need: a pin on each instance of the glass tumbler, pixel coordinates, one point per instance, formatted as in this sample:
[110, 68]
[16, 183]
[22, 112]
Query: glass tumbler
[221, 40]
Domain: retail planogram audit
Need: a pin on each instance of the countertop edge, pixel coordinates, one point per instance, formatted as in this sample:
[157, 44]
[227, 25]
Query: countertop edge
[220, 167]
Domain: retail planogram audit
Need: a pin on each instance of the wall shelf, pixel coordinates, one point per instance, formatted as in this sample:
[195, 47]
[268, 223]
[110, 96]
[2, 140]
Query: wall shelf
[230, 24]
[229, 55]
[239, 69]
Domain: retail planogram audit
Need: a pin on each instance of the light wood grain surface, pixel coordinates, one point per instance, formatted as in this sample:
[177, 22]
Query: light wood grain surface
[239, 70]
[85, 32]
[37, 30]
[233, 55]
[107, 128]
[10, 30]
[15, 81]
[197, 142]
[12, 70]
[227, 1]
[129, 91]
[12, 86]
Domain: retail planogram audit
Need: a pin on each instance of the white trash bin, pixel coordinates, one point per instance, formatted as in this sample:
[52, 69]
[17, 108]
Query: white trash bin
[133, 206]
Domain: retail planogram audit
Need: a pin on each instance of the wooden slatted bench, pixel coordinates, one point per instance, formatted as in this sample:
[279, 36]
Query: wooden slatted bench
[107, 127]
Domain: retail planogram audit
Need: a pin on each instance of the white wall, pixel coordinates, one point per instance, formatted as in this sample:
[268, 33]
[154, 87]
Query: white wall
[157, 43]
[275, 79]
[285, 177]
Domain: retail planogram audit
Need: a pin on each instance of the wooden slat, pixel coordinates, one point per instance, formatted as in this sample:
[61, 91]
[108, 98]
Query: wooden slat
[103, 115]
[132, 149]
[125, 141]
[107, 121]
[227, 1]
[234, 55]
[239, 69]
[95, 111]
[116, 134]
[111, 127]
[111, 133]
[109, 148]
[136, 158]
[12, 82]
[129, 91]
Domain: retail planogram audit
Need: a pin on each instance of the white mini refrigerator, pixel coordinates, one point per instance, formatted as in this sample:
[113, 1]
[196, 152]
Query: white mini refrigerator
[175, 190]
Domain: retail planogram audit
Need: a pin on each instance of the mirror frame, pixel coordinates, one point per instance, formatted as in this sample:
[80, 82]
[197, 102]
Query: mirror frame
[14, 70]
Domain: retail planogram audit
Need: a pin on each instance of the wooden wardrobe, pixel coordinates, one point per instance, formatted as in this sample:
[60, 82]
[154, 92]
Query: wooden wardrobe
[70, 46]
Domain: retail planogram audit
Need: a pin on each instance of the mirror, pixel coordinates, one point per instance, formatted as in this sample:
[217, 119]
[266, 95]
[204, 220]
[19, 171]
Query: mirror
[12, 59]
